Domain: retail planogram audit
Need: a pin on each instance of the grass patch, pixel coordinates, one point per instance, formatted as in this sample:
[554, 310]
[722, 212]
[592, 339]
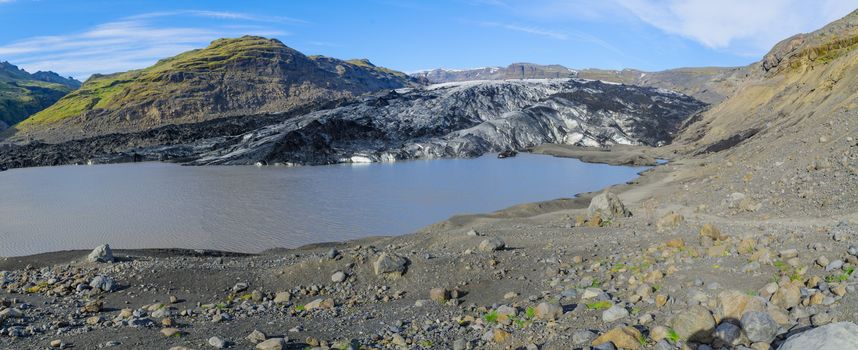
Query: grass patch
[600, 305]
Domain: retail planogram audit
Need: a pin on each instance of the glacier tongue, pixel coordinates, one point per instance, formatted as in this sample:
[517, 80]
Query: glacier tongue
[465, 120]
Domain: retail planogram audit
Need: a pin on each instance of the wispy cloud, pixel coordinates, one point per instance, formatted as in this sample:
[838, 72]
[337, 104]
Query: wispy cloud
[558, 35]
[134, 42]
[526, 29]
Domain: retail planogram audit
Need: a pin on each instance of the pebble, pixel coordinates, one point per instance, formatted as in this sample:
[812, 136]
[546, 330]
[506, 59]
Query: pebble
[338, 277]
[217, 342]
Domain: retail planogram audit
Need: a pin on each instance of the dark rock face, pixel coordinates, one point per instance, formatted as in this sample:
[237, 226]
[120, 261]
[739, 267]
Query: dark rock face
[439, 121]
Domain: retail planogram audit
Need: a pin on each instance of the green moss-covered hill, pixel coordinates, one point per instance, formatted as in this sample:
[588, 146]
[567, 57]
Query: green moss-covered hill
[23, 94]
[230, 77]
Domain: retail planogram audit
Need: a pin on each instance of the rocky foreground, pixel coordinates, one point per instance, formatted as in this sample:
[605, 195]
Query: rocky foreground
[628, 271]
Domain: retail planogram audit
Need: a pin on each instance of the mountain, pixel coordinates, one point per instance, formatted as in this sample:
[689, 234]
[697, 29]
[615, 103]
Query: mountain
[513, 71]
[23, 94]
[708, 84]
[231, 77]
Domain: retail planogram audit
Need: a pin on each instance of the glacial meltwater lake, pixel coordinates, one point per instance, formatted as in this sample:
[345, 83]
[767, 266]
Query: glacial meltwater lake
[250, 209]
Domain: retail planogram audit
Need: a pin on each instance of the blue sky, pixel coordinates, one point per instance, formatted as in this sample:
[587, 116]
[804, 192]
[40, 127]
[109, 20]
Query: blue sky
[83, 37]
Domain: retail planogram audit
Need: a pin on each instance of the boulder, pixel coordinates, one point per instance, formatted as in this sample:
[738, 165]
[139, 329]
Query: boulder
[390, 264]
[759, 326]
[492, 244]
[608, 205]
[102, 253]
[835, 336]
[694, 324]
[103, 283]
[548, 311]
[621, 337]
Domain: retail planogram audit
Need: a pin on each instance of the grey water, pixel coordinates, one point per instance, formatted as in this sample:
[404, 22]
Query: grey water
[250, 209]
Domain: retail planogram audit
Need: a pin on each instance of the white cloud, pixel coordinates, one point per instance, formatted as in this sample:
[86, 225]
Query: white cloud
[726, 24]
[132, 42]
[747, 27]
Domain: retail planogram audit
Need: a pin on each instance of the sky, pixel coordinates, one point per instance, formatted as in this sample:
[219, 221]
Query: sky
[82, 37]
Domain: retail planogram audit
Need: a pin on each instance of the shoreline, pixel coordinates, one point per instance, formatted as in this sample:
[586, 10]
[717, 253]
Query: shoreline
[544, 275]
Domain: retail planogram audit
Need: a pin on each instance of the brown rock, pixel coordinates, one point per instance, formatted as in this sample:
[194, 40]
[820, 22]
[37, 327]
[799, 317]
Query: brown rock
[710, 231]
[788, 295]
[500, 336]
[440, 295]
[669, 221]
[621, 337]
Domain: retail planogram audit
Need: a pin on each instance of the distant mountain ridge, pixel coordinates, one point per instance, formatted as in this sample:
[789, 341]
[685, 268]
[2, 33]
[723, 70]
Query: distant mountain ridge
[23, 94]
[513, 71]
[239, 76]
[708, 84]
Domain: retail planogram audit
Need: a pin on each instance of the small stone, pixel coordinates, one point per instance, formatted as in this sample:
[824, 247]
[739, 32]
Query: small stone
[332, 254]
[788, 295]
[473, 233]
[548, 311]
[834, 265]
[788, 253]
[500, 336]
[338, 277]
[660, 300]
[621, 337]
[759, 326]
[492, 244]
[614, 313]
[728, 333]
[658, 333]
[710, 231]
[439, 295]
[821, 319]
[217, 342]
[56, 343]
[282, 297]
[583, 337]
[510, 295]
[170, 332]
[256, 337]
[669, 221]
[272, 344]
[321, 304]
[103, 283]
[102, 254]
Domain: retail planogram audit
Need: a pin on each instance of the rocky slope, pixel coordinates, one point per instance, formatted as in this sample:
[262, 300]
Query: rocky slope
[23, 94]
[243, 76]
[789, 137]
[513, 71]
